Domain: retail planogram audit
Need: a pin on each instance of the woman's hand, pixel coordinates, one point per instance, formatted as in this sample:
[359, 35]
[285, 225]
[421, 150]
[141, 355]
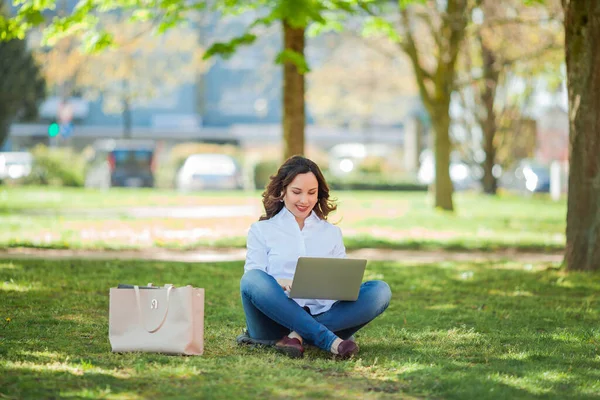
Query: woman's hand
[286, 288]
[286, 284]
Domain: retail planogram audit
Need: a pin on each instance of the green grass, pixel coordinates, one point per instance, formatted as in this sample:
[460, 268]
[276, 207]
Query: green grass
[453, 331]
[68, 218]
[56, 199]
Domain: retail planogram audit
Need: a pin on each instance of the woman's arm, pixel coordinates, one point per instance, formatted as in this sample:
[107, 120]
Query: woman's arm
[339, 250]
[256, 255]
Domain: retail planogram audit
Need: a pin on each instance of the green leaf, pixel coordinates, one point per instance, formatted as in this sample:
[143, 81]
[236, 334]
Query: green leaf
[377, 26]
[227, 49]
[9, 29]
[35, 4]
[32, 16]
[142, 15]
[405, 3]
[343, 5]
[317, 29]
[234, 7]
[265, 21]
[294, 57]
[300, 13]
[94, 42]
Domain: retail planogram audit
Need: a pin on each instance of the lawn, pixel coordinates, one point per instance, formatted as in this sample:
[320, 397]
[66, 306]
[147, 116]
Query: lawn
[453, 331]
[134, 219]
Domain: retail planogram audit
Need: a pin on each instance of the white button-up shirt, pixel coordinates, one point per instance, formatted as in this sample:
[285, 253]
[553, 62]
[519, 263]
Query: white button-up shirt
[275, 244]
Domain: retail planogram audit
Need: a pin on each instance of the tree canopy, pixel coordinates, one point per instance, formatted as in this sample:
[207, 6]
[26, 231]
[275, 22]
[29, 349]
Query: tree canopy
[138, 69]
[293, 15]
[21, 87]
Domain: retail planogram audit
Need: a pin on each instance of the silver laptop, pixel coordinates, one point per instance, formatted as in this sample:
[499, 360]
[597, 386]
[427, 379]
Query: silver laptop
[327, 278]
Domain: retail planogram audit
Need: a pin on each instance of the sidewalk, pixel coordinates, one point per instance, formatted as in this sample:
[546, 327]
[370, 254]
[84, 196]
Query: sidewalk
[229, 254]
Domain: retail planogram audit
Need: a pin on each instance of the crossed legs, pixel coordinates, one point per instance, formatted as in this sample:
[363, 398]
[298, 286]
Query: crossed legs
[270, 314]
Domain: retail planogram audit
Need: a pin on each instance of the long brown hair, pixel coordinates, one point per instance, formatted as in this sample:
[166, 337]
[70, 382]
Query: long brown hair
[293, 166]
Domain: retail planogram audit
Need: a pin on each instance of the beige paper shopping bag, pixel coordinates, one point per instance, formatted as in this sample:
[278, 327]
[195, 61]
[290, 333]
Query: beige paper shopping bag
[158, 320]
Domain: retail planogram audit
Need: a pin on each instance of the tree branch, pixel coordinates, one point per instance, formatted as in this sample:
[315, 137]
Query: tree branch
[533, 55]
[372, 45]
[509, 62]
[500, 21]
[410, 48]
[403, 46]
[455, 21]
[426, 17]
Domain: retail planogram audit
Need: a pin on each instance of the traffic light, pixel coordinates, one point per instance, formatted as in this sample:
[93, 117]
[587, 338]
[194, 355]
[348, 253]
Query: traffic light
[53, 129]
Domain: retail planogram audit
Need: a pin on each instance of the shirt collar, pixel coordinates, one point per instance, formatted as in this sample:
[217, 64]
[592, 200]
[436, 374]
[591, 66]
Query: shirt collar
[287, 215]
[312, 218]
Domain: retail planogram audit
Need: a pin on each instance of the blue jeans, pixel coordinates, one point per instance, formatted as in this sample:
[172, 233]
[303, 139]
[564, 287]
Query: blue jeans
[270, 314]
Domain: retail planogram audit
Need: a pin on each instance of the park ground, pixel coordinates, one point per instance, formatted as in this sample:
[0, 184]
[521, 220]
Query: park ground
[474, 313]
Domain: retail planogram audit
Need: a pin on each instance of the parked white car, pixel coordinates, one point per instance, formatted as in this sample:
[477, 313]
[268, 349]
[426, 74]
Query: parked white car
[15, 164]
[209, 172]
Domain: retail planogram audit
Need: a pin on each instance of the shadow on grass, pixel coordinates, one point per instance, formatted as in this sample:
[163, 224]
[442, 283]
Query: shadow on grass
[453, 330]
[23, 383]
[362, 242]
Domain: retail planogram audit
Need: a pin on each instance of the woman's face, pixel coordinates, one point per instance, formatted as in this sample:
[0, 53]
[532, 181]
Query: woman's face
[301, 195]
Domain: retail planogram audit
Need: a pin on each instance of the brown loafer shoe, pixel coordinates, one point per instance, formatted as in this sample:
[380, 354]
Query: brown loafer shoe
[347, 349]
[290, 347]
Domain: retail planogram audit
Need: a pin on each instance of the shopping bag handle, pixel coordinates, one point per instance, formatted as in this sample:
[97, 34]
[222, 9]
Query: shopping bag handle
[139, 305]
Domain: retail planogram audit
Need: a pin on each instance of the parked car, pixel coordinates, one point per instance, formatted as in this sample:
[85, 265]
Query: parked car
[129, 163]
[15, 164]
[209, 172]
[527, 176]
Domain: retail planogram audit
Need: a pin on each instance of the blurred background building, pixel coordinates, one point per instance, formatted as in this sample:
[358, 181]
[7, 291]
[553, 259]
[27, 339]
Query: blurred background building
[232, 101]
[361, 103]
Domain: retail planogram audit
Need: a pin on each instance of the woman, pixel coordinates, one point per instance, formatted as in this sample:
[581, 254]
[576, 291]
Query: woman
[295, 224]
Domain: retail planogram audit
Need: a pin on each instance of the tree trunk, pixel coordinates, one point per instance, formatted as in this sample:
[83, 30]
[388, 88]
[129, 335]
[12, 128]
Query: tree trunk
[293, 94]
[443, 183]
[435, 88]
[582, 40]
[126, 119]
[489, 181]
[488, 123]
[4, 129]
[126, 111]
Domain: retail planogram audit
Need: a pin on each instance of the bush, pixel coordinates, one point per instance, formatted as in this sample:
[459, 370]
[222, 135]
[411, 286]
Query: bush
[372, 165]
[56, 167]
[265, 160]
[263, 171]
[374, 181]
